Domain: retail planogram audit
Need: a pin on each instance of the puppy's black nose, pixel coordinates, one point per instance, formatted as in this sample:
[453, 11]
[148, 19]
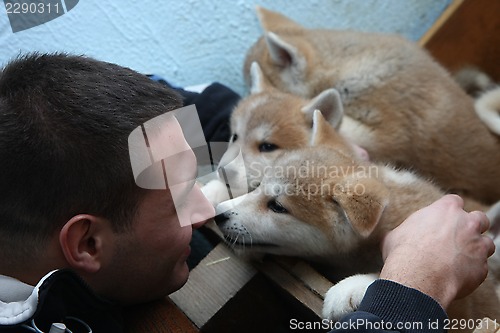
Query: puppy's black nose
[221, 218]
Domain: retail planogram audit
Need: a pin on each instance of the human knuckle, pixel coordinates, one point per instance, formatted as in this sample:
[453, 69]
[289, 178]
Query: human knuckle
[487, 247]
[454, 199]
[474, 220]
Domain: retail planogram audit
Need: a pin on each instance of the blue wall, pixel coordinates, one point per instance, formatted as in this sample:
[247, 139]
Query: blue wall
[197, 41]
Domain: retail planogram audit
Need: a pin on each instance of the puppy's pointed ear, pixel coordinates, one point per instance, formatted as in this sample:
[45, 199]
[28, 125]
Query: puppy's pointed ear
[283, 53]
[330, 105]
[321, 130]
[363, 202]
[272, 21]
[258, 82]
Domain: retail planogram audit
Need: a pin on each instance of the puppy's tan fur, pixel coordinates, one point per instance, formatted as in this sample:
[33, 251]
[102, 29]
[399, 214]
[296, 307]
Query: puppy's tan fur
[333, 208]
[400, 104]
[284, 120]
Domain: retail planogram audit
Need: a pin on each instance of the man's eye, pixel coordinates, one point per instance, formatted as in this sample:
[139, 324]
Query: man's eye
[276, 207]
[267, 147]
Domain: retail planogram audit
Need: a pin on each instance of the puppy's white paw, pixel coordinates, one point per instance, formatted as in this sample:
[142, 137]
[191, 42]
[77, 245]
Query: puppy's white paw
[215, 191]
[345, 296]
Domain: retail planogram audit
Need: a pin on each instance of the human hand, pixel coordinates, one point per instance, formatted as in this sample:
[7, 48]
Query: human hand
[439, 250]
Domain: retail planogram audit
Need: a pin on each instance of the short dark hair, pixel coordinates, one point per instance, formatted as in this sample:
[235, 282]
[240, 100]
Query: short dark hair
[64, 127]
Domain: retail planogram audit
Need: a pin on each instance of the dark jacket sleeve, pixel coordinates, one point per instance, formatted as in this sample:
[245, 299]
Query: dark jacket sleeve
[392, 307]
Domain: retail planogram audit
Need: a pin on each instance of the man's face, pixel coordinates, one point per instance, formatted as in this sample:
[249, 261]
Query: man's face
[150, 261]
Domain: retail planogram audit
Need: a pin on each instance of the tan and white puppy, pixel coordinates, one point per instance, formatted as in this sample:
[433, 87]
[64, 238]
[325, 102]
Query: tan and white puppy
[327, 205]
[400, 105]
[265, 124]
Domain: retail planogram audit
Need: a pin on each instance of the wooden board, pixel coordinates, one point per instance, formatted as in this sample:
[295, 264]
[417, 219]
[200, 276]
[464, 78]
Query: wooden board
[468, 33]
[161, 316]
[219, 279]
[298, 279]
[212, 283]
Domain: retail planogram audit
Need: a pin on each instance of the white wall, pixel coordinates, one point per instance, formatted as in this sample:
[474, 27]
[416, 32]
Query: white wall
[190, 42]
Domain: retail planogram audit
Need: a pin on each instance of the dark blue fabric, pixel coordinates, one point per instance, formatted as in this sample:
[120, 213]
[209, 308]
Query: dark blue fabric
[214, 105]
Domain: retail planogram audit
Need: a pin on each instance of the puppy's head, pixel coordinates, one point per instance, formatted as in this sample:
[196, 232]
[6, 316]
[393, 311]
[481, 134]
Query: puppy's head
[313, 202]
[268, 122]
[284, 54]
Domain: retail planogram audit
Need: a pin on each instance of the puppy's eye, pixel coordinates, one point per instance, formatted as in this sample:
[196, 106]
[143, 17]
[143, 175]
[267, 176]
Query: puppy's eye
[267, 147]
[234, 137]
[276, 207]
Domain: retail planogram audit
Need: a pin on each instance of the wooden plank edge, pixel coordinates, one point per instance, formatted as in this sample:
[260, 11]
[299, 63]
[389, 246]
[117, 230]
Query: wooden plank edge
[296, 288]
[447, 13]
[212, 283]
[310, 277]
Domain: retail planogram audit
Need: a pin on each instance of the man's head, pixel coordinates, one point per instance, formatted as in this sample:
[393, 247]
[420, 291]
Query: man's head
[67, 191]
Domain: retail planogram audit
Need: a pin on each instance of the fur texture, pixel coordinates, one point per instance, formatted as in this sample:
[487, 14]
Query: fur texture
[327, 205]
[400, 105]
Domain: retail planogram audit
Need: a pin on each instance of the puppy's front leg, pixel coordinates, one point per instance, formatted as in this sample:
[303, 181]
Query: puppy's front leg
[346, 295]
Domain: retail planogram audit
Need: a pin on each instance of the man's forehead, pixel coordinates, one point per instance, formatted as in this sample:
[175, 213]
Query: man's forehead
[162, 157]
[163, 139]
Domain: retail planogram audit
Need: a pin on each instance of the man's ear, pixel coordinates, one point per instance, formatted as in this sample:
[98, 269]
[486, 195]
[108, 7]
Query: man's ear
[82, 239]
[363, 202]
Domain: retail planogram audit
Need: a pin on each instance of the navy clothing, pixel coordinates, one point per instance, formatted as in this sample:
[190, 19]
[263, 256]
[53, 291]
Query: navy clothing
[391, 307]
[214, 105]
